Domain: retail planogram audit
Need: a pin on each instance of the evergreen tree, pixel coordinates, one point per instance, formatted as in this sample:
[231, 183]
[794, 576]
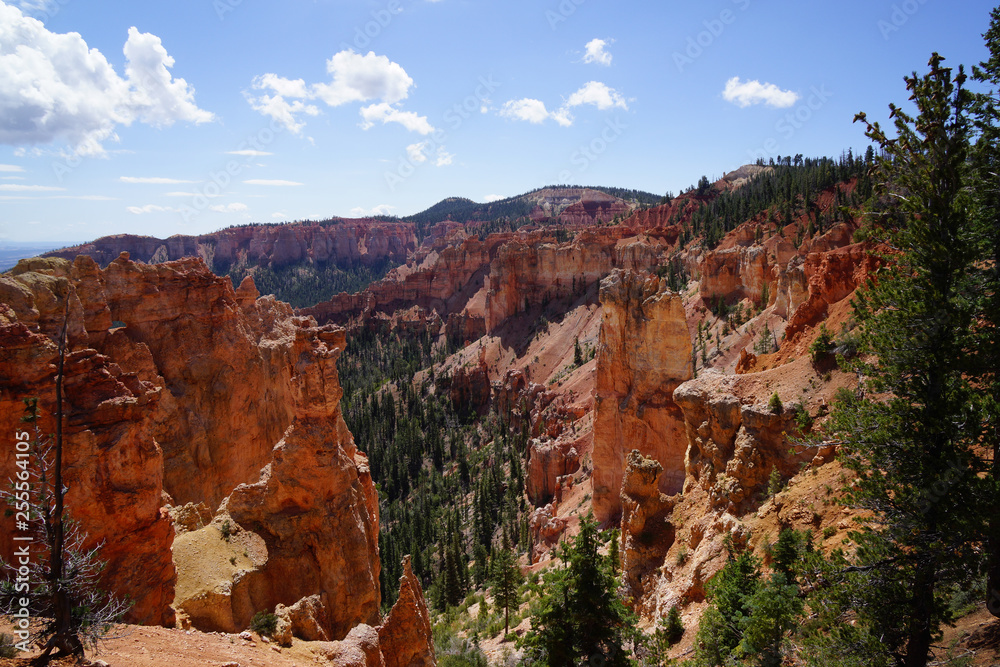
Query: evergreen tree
[505, 577]
[986, 186]
[581, 616]
[909, 433]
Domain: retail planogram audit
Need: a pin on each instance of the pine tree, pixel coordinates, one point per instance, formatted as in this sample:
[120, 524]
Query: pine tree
[581, 616]
[505, 577]
[910, 433]
[986, 185]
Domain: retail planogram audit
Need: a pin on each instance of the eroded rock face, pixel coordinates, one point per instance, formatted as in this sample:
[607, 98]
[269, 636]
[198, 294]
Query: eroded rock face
[548, 461]
[405, 638]
[646, 531]
[443, 283]
[315, 504]
[530, 273]
[469, 387]
[220, 359]
[546, 528]
[736, 273]
[733, 446]
[349, 241]
[112, 465]
[643, 355]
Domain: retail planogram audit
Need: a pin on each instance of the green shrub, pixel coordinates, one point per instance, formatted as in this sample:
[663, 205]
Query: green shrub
[775, 405]
[7, 649]
[674, 628]
[226, 529]
[820, 348]
[264, 623]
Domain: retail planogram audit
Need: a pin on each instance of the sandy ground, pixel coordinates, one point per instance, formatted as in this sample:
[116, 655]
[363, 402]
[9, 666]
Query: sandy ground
[140, 646]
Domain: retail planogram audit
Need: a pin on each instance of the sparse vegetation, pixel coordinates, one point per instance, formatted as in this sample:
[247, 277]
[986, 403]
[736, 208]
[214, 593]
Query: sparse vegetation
[264, 623]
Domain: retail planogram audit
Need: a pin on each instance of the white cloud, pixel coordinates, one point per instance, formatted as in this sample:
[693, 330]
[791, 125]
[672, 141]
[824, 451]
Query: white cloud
[415, 152]
[745, 93]
[259, 181]
[597, 94]
[593, 92]
[249, 153]
[387, 113]
[12, 178]
[381, 209]
[235, 207]
[358, 78]
[54, 87]
[354, 78]
[279, 215]
[534, 111]
[7, 168]
[33, 7]
[444, 158]
[493, 198]
[17, 187]
[596, 54]
[152, 180]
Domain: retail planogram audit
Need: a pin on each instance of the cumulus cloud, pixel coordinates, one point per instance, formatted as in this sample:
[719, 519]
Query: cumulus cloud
[353, 78]
[415, 152]
[599, 95]
[745, 93]
[534, 111]
[596, 53]
[386, 113]
[358, 78]
[593, 93]
[444, 158]
[54, 87]
[492, 198]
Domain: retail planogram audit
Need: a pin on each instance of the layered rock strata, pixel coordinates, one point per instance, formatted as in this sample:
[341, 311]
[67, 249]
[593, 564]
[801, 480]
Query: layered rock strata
[644, 354]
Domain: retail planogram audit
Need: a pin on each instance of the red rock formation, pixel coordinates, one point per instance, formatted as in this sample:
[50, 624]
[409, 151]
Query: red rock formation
[831, 276]
[548, 461]
[444, 282]
[643, 355]
[736, 273]
[469, 387]
[343, 241]
[405, 638]
[226, 397]
[733, 446]
[646, 531]
[112, 465]
[546, 528]
[315, 504]
[530, 274]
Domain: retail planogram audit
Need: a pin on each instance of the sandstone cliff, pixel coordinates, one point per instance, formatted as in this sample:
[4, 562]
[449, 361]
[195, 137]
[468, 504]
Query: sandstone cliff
[643, 355]
[315, 505]
[113, 467]
[341, 241]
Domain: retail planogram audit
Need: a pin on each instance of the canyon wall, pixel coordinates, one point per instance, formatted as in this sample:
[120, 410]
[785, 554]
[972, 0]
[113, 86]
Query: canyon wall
[177, 389]
[644, 353]
[113, 467]
[341, 241]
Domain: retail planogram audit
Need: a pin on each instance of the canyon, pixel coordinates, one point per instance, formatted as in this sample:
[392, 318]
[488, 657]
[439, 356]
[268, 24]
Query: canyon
[206, 422]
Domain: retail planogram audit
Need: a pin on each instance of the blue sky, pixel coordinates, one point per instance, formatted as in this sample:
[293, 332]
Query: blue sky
[193, 115]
